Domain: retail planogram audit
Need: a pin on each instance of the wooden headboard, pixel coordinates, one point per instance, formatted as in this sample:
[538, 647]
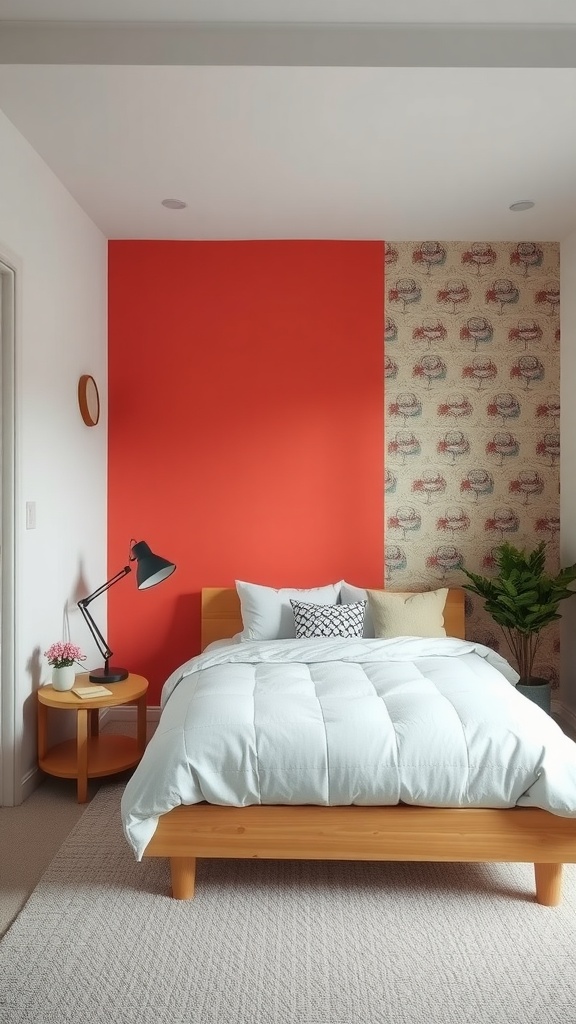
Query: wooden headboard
[221, 616]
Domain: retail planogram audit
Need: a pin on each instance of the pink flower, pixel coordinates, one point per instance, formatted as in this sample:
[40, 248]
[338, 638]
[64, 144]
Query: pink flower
[63, 653]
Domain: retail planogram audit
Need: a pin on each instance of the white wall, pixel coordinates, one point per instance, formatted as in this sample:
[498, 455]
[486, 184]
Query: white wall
[61, 263]
[568, 464]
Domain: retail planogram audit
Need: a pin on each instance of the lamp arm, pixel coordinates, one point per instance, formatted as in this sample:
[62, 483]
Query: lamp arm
[105, 586]
[101, 644]
[99, 639]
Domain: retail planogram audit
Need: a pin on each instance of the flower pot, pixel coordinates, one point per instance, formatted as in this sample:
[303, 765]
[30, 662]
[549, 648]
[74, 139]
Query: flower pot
[63, 678]
[537, 690]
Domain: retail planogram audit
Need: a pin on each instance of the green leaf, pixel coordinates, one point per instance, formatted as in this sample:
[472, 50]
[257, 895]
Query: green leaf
[522, 596]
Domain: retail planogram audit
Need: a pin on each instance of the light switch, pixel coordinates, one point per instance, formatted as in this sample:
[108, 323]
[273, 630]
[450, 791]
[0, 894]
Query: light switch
[30, 515]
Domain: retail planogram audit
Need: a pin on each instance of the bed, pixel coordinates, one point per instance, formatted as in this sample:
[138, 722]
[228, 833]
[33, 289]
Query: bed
[400, 832]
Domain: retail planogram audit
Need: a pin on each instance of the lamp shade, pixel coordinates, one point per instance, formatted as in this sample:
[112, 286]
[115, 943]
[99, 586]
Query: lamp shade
[152, 569]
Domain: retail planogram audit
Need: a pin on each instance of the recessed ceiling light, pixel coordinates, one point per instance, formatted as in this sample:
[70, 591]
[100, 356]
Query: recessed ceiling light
[174, 204]
[524, 204]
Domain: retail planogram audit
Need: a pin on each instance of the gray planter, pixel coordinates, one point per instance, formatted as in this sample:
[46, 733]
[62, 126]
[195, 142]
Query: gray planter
[538, 691]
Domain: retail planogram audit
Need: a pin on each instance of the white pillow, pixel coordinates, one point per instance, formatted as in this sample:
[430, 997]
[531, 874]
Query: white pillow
[267, 613]
[351, 595]
[408, 614]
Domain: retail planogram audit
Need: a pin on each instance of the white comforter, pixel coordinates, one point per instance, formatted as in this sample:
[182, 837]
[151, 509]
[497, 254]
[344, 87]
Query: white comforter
[431, 722]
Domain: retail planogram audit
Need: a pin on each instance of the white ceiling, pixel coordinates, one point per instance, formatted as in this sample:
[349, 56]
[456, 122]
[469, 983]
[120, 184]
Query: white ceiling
[304, 151]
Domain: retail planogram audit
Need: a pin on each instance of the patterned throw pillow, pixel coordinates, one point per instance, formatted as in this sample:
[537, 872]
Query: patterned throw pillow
[328, 619]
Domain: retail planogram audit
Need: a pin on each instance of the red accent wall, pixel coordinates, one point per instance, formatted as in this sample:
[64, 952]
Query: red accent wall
[246, 426]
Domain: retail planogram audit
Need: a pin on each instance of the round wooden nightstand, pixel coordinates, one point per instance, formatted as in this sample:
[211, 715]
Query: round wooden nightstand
[91, 755]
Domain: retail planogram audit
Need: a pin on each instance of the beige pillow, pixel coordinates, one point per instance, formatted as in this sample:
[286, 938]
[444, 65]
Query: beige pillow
[407, 614]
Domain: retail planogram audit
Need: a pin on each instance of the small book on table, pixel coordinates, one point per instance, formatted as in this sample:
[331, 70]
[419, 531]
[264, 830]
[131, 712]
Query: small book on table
[90, 692]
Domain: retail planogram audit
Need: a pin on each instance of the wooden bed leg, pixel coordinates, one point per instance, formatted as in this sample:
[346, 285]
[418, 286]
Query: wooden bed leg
[183, 876]
[548, 884]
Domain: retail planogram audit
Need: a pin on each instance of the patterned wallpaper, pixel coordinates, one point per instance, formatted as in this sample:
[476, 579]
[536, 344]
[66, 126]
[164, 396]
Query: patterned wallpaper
[472, 364]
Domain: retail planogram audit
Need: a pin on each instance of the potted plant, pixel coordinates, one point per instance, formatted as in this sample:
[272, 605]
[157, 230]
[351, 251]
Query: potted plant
[62, 656]
[523, 599]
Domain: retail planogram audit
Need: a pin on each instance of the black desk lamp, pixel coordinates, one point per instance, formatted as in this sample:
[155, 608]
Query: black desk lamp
[151, 570]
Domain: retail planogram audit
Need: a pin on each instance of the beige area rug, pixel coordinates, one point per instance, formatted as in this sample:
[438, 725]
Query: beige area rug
[280, 942]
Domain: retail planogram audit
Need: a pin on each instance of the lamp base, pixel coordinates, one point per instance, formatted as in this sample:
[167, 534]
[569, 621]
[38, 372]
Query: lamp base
[113, 675]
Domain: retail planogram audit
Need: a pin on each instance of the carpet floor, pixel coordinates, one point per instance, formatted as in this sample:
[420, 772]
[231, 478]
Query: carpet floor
[283, 942]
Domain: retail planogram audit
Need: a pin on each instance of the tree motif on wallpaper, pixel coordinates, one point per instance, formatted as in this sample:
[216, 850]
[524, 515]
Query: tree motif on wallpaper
[390, 254]
[478, 330]
[406, 291]
[405, 406]
[406, 519]
[549, 297]
[479, 255]
[528, 483]
[502, 292]
[445, 559]
[394, 560]
[454, 443]
[529, 369]
[549, 409]
[526, 255]
[405, 444]
[490, 560]
[455, 406]
[430, 368]
[477, 482]
[429, 254]
[504, 445]
[454, 520]
[430, 483]
[504, 406]
[453, 294]
[481, 370]
[390, 329]
[475, 314]
[390, 482]
[549, 524]
[502, 521]
[549, 447]
[431, 330]
[390, 368]
[526, 331]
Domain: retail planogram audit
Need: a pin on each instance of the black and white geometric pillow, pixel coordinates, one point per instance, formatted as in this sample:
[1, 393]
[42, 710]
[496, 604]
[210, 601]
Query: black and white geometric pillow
[328, 619]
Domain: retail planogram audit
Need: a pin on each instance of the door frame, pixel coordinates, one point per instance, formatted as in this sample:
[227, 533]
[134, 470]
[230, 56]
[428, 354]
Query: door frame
[10, 784]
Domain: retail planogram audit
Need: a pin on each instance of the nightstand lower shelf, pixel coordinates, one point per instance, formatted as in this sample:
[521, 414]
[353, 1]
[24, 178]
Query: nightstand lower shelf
[91, 755]
[106, 756]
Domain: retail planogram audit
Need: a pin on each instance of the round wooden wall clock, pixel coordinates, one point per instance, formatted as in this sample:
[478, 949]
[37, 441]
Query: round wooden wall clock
[88, 400]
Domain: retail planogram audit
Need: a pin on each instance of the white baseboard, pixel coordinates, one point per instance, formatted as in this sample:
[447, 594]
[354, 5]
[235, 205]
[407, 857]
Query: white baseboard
[30, 782]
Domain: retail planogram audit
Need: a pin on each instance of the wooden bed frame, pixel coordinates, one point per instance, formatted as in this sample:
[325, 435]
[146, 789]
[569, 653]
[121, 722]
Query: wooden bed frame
[400, 832]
